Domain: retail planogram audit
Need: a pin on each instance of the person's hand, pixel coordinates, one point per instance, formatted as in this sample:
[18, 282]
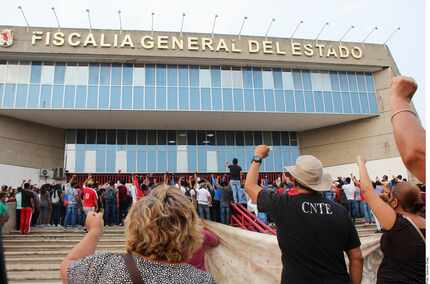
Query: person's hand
[262, 151]
[403, 87]
[360, 161]
[94, 223]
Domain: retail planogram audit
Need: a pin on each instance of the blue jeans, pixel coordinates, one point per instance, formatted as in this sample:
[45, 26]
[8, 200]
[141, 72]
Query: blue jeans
[204, 212]
[366, 212]
[262, 217]
[108, 213]
[70, 219]
[356, 208]
[237, 191]
[329, 195]
[225, 213]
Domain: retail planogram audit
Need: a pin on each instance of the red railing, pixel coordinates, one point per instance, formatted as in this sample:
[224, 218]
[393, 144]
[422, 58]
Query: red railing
[244, 219]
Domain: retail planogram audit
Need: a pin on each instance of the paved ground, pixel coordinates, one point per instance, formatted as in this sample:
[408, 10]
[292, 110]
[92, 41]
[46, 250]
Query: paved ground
[35, 258]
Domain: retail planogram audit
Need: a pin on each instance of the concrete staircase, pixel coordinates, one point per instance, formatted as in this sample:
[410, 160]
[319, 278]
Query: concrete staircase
[35, 258]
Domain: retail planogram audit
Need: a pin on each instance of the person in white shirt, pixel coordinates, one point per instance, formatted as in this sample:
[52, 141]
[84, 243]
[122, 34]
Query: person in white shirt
[349, 190]
[204, 199]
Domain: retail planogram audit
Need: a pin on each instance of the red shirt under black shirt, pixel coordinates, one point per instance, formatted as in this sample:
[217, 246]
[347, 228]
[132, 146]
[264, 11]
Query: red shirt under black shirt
[313, 233]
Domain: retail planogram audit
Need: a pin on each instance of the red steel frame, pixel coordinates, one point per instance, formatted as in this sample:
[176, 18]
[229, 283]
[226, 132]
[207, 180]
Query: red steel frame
[244, 219]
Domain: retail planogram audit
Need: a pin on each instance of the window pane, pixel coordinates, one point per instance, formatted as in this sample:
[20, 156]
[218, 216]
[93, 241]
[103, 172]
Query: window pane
[258, 138]
[300, 101]
[91, 136]
[206, 99]
[307, 83]
[346, 99]
[76, 75]
[227, 99]
[36, 70]
[172, 98]
[352, 81]
[161, 75]
[105, 74]
[297, 80]
[161, 98]
[220, 138]
[57, 96]
[46, 96]
[111, 136]
[9, 95]
[47, 74]
[248, 98]
[81, 97]
[115, 99]
[237, 78]
[172, 75]
[59, 73]
[127, 97]
[81, 136]
[216, 76]
[247, 77]
[183, 75]
[364, 103]
[229, 138]
[277, 78]
[139, 75]
[239, 138]
[149, 97]
[317, 81]
[3, 71]
[238, 99]
[355, 99]
[328, 101]
[343, 79]
[205, 78]
[337, 102]
[141, 137]
[93, 74]
[334, 78]
[18, 73]
[257, 78]
[249, 139]
[183, 98]
[372, 102]
[259, 100]
[269, 100]
[192, 138]
[116, 74]
[127, 74]
[287, 80]
[21, 96]
[319, 101]
[104, 94]
[216, 99]
[361, 81]
[268, 79]
[150, 75]
[92, 97]
[194, 76]
[226, 78]
[194, 99]
[279, 101]
[69, 96]
[121, 137]
[131, 137]
[101, 136]
[289, 101]
[370, 83]
[276, 138]
[309, 100]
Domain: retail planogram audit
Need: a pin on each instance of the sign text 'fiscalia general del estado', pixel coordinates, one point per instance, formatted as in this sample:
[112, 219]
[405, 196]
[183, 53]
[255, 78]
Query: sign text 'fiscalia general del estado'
[192, 43]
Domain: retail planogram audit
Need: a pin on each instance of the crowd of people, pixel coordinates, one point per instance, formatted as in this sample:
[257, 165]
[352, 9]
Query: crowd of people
[314, 216]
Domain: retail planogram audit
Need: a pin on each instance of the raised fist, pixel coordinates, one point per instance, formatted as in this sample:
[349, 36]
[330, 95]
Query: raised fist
[262, 151]
[403, 87]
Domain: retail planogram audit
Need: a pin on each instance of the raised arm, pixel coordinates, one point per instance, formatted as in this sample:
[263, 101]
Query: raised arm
[251, 183]
[410, 136]
[383, 212]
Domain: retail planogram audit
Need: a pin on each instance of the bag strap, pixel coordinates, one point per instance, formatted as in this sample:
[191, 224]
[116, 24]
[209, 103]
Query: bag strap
[415, 226]
[133, 271]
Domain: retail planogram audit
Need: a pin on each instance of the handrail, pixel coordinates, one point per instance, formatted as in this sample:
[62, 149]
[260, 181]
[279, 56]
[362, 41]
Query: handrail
[248, 220]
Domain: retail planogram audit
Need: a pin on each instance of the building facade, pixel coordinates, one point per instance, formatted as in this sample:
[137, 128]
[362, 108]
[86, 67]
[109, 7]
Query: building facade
[105, 101]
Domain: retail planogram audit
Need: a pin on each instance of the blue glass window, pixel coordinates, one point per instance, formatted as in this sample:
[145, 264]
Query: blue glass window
[372, 103]
[184, 98]
[171, 159]
[127, 74]
[206, 98]
[216, 99]
[328, 101]
[92, 97]
[334, 78]
[110, 159]
[104, 94]
[364, 103]
[352, 82]
[9, 95]
[60, 71]
[227, 99]
[161, 98]
[150, 74]
[194, 99]
[57, 96]
[247, 77]
[161, 75]
[152, 160]
[309, 100]
[337, 102]
[36, 72]
[131, 161]
[297, 80]
[21, 96]
[172, 75]
[277, 78]
[346, 99]
[257, 78]
[138, 98]
[259, 100]
[248, 98]
[100, 160]
[269, 100]
[370, 83]
[307, 82]
[356, 106]
[105, 74]
[115, 97]
[172, 98]
[299, 98]
[69, 96]
[192, 157]
[216, 76]
[127, 97]
[289, 101]
[361, 81]
[194, 76]
[93, 77]
[81, 97]
[45, 96]
[141, 161]
[238, 99]
[116, 74]
[279, 101]
[183, 75]
[343, 78]
[319, 101]
[202, 159]
[149, 97]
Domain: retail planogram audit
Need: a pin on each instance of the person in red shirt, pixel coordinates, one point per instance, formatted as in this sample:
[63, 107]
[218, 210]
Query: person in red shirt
[90, 198]
[210, 240]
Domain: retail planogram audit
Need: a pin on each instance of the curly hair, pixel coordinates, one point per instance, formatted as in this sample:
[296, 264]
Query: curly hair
[163, 226]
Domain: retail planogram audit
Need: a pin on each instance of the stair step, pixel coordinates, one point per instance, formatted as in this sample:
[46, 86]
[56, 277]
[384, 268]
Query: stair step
[53, 247]
[40, 276]
[55, 253]
[33, 266]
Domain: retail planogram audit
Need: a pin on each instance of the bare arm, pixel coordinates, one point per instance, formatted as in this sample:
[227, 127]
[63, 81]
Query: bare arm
[355, 265]
[87, 246]
[406, 125]
[385, 214]
[251, 183]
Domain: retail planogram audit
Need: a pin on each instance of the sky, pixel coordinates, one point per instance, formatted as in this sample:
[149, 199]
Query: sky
[407, 46]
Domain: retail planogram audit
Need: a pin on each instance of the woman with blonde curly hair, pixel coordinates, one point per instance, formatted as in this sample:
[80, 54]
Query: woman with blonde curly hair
[162, 232]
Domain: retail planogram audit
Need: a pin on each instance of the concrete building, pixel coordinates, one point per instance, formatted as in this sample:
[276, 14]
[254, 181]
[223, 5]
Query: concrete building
[107, 101]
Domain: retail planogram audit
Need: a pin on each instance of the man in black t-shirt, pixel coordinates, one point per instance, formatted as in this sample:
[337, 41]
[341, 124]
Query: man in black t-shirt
[27, 205]
[235, 171]
[313, 232]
